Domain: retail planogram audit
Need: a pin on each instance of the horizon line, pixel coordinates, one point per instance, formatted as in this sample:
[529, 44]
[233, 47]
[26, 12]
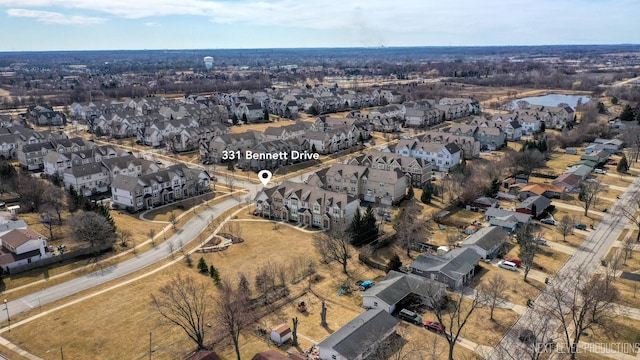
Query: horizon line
[318, 48]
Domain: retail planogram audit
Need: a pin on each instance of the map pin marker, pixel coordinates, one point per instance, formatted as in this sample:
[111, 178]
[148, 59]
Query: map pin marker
[265, 176]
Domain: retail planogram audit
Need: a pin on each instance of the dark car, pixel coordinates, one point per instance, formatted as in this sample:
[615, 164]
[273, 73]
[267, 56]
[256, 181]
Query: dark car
[580, 226]
[434, 326]
[410, 316]
[527, 336]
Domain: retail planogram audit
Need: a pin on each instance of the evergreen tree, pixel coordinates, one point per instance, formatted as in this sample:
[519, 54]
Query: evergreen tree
[202, 266]
[623, 165]
[394, 263]
[543, 127]
[494, 187]
[627, 114]
[614, 100]
[230, 166]
[265, 114]
[234, 119]
[313, 149]
[244, 118]
[215, 275]
[355, 227]
[427, 193]
[369, 226]
[410, 192]
[187, 259]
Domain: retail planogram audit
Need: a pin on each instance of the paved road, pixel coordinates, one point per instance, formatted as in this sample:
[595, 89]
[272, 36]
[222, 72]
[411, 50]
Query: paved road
[588, 255]
[188, 233]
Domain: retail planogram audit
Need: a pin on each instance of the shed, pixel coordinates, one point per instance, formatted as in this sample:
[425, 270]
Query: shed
[443, 250]
[280, 334]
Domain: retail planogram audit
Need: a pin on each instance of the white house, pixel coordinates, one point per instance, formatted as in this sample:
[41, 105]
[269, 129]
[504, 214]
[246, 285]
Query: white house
[443, 157]
[21, 246]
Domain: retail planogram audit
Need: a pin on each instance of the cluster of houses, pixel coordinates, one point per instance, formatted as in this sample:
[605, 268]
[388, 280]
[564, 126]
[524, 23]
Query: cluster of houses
[326, 135]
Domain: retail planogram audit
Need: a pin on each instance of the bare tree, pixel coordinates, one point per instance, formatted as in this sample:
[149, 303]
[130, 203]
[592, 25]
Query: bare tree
[409, 226]
[566, 226]
[396, 347]
[232, 313]
[230, 181]
[631, 212]
[541, 342]
[628, 245]
[173, 219]
[528, 247]
[492, 292]
[151, 234]
[54, 200]
[185, 302]
[581, 303]
[590, 193]
[123, 236]
[92, 228]
[334, 245]
[455, 315]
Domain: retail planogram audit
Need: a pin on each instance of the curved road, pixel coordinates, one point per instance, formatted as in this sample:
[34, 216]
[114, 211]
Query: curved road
[188, 233]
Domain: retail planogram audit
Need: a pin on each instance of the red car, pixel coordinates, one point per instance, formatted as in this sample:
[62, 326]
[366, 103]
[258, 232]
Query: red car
[515, 261]
[611, 162]
[434, 326]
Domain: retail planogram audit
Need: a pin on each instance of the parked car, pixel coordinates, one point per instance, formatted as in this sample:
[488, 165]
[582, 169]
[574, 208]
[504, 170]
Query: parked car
[580, 226]
[410, 316]
[612, 162]
[366, 284]
[434, 326]
[527, 336]
[599, 171]
[541, 241]
[548, 221]
[159, 162]
[508, 265]
[515, 261]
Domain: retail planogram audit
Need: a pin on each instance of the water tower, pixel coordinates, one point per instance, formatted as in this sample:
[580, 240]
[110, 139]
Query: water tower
[208, 62]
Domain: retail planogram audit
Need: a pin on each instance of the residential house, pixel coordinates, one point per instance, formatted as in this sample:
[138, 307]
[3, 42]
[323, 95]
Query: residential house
[486, 242]
[570, 182]
[508, 220]
[31, 156]
[547, 190]
[454, 269]
[369, 184]
[469, 146]
[583, 171]
[21, 246]
[45, 116]
[174, 183]
[418, 170]
[443, 157]
[306, 205]
[534, 205]
[360, 337]
[484, 202]
[87, 179]
[397, 286]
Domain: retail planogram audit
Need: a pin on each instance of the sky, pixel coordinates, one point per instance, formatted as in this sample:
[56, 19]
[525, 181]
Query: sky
[39, 25]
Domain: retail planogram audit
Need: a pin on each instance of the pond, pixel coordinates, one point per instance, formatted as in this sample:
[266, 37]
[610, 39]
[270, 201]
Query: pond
[552, 100]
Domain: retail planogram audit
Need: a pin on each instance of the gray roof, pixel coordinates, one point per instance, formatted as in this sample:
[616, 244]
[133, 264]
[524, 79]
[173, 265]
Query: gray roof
[86, 169]
[486, 238]
[396, 286]
[124, 182]
[357, 336]
[501, 213]
[541, 202]
[455, 264]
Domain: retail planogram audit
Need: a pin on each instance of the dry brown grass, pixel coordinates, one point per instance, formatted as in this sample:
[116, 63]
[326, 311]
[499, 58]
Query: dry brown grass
[518, 292]
[620, 331]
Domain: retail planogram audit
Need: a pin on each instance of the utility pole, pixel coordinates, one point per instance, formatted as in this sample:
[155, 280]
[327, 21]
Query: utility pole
[150, 350]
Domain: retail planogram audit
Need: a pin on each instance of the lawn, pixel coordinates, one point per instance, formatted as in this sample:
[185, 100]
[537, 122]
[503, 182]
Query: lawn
[629, 289]
[518, 292]
[620, 331]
